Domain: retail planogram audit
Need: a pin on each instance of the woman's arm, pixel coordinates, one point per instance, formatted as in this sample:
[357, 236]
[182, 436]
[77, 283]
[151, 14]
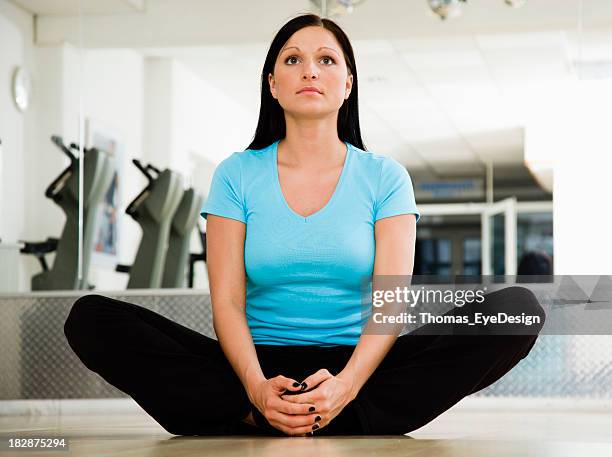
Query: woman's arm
[395, 239]
[227, 282]
[227, 278]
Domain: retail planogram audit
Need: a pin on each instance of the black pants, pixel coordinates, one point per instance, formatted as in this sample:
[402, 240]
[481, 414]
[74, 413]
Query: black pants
[184, 381]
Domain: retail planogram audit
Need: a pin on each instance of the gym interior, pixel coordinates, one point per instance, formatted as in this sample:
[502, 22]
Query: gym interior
[115, 114]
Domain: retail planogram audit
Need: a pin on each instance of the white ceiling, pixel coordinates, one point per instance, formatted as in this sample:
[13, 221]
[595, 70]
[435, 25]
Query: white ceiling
[441, 105]
[441, 97]
[71, 7]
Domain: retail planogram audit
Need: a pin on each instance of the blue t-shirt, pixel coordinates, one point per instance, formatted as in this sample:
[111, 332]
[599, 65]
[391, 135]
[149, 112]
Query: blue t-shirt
[305, 275]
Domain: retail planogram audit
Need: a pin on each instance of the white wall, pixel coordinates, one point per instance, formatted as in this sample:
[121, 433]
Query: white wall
[187, 118]
[205, 121]
[19, 137]
[11, 132]
[582, 223]
[158, 112]
[569, 128]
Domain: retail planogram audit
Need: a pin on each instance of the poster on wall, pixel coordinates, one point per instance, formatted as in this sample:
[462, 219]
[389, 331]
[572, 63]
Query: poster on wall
[108, 215]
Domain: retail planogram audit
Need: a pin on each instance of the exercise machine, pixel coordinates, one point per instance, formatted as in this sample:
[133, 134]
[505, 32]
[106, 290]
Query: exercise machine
[197, 257]
[153, 210]
[183, 223]
[98, 167]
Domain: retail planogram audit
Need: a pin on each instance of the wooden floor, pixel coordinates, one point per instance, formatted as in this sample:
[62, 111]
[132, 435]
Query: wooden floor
[455, 433]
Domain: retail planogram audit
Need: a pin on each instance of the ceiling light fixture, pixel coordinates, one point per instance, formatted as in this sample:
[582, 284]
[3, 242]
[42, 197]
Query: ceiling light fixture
[515, 3]
[334, 8]
[446, 8]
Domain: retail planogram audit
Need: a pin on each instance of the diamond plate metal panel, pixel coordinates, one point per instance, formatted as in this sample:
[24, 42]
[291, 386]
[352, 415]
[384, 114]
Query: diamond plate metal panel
[36, 361]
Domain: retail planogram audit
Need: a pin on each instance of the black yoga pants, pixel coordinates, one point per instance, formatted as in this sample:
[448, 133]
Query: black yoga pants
[184, 381]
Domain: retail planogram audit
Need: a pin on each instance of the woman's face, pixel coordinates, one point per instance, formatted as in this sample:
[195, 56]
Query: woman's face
[311, 57]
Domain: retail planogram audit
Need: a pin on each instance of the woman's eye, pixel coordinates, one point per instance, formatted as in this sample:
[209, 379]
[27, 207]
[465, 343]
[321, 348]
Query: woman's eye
[295, 57]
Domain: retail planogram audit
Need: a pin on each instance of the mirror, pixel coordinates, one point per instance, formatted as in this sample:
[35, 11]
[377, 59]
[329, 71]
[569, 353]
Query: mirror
[158, 96]
[40, 131]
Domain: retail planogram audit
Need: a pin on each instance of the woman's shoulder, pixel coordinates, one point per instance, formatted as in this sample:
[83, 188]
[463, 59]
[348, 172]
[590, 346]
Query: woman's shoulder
[372, 160]
[245, 159]
[258, 152]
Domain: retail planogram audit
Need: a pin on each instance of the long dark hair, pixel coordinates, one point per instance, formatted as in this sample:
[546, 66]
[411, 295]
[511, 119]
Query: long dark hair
[271, 124]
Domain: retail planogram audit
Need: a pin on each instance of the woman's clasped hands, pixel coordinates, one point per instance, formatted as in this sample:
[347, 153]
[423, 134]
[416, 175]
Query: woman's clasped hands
[299, 409]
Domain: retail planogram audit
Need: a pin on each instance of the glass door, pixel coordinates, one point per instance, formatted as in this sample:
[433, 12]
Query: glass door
[499, 238]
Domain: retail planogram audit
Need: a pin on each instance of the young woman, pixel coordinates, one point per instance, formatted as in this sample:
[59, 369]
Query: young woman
[294, 225]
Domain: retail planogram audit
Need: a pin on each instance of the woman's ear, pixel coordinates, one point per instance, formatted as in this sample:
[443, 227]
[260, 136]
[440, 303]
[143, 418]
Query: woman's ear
[349, 86]
[272, 84]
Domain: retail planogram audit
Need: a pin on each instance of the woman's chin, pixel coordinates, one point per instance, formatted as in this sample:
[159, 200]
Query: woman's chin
[312, 111]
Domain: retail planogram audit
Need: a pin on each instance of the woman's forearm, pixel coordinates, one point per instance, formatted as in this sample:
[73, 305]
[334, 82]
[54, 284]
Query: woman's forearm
[368, 354]
[230, 324]
[395, 240]
[375, 342]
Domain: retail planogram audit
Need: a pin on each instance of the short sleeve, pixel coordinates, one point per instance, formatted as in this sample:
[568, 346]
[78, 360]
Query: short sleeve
[225, 196]
[395, 193]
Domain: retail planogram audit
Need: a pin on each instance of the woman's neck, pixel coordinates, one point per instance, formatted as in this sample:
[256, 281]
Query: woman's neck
[313, 150]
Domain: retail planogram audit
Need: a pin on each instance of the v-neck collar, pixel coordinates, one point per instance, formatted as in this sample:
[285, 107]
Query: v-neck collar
[319, 213]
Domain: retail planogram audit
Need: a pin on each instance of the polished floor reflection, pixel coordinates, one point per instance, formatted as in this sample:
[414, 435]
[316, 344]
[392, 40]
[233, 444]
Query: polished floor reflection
[455, 433]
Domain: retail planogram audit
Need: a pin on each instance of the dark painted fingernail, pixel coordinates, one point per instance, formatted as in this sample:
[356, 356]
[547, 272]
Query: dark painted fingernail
[317, 419]
[296, 384]
[315, 426]
[309, 434]
[311, 409]
[304, 385]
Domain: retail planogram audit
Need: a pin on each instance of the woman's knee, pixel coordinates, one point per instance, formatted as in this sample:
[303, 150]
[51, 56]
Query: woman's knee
[521, 302]
[530, 305]
[525, 319]
[79, 320]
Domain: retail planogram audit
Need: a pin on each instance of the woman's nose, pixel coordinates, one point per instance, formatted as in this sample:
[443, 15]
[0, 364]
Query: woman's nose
[310, 71]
